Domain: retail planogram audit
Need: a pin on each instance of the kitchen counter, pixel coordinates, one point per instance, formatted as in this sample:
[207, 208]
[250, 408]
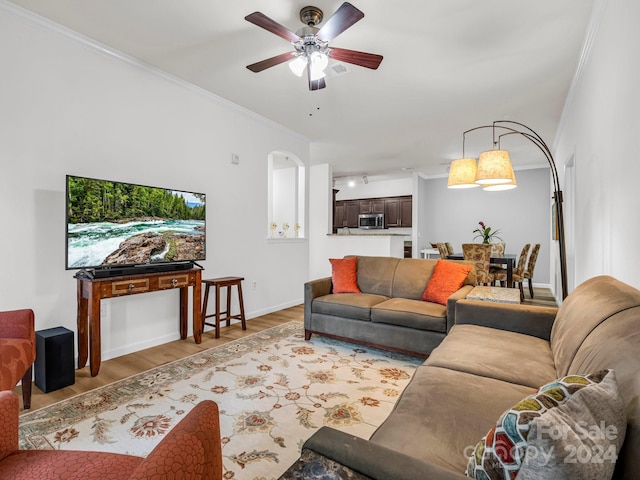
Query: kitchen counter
[381, 243]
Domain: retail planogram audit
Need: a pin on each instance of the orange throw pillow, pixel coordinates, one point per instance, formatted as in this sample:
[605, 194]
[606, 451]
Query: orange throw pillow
[447, 279]
[344, 275]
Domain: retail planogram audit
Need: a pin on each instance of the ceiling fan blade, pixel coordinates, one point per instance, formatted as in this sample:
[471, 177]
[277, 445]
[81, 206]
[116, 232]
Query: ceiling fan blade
[271, 62]
[343, 18]
[367, 60]
[261, 20]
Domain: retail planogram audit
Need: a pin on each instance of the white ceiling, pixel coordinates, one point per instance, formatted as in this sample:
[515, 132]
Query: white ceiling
[449, 65]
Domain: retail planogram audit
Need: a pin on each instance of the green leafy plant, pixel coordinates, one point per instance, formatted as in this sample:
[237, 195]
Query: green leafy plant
[486, 233]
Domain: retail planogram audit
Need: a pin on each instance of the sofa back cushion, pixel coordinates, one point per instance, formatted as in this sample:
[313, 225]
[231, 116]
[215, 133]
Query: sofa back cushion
[399, 277]
[375, 274]
[598, 327]
[412, 276]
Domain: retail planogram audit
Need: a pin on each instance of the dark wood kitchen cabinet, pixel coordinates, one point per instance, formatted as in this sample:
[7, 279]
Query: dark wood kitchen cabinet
[398, 211]
[339, 216]
[372, 205]
[345, 214]
[352, 211]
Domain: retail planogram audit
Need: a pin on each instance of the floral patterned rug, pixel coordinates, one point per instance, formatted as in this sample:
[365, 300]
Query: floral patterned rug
[273, 389]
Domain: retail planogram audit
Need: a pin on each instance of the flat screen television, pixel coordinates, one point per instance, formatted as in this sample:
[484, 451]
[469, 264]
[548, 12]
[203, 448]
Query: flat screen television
[116, 225]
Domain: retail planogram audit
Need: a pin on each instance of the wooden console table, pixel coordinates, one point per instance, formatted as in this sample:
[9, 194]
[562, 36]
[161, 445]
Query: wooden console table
[92, 290]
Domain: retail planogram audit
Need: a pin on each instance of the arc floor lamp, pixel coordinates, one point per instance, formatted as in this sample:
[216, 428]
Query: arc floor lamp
[494, 172]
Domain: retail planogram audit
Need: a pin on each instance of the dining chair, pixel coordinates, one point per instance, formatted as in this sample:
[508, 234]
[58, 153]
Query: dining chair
[449, 248]
[480, 254]
[498, 248]
[500, 274]
[442, 248]
[531, 265]
[17, 351]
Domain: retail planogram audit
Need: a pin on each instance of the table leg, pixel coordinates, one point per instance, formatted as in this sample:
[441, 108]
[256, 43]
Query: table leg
[510, 273]
[184, 299]
[94, 330]
[81, 321]
[198, 314]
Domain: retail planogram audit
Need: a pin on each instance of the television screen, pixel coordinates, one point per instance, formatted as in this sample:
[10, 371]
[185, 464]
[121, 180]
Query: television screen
[123, 224]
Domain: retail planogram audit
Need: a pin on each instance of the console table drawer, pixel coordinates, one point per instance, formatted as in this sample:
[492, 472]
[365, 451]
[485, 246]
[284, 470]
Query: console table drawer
[174, 281]
[125, 287]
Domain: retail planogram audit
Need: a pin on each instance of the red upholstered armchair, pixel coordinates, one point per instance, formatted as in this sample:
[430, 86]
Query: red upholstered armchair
[17, 351]
[190, 451]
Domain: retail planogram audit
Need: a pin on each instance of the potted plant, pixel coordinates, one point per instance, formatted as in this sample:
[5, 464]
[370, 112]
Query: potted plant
[486, 233]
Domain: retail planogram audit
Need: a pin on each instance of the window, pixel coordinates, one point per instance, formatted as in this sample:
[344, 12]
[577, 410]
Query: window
[286, 196]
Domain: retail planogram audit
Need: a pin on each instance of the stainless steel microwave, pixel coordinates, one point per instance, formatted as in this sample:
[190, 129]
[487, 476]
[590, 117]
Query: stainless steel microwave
[371, 220]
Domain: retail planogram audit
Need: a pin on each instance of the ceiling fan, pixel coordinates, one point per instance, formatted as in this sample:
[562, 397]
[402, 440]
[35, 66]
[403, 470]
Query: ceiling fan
[311, 44]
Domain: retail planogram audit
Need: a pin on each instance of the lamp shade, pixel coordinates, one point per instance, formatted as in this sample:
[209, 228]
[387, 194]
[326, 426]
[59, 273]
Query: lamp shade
[494, 167]
[498, 187]
[462, 173]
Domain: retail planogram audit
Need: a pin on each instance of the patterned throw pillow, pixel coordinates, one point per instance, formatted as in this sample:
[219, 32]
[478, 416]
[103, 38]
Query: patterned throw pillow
[570, 428]
[447, 279]
[344, 275]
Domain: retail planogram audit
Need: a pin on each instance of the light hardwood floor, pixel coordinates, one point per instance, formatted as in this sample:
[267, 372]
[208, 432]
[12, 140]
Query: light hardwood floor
[127, 365]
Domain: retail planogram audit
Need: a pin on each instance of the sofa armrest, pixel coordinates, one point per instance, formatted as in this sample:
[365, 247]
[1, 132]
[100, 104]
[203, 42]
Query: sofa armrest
[529, 320]
[451, 304]
[373, 460]
[314, 289]
[9, 417]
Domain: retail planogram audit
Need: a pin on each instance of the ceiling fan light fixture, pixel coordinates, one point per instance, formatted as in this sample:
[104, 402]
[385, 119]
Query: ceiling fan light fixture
[494, 167]
[318, 61]
[298, 64]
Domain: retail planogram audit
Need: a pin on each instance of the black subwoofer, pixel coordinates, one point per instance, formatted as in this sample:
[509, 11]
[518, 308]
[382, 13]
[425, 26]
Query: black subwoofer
[54, 367]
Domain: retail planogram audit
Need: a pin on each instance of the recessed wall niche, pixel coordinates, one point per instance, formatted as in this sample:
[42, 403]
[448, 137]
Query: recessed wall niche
[286, 196]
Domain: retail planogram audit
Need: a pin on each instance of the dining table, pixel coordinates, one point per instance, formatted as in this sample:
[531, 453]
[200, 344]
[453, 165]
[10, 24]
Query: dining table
[506, 259]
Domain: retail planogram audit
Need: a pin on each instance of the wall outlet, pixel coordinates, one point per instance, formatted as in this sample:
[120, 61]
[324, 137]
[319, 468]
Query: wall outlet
[255, 285]
[235, 159]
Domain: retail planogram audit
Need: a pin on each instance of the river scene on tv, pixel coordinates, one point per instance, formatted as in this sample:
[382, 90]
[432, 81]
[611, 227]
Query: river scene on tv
[112, 223]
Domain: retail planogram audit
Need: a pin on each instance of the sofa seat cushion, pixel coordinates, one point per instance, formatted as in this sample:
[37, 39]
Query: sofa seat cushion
[349, 305]
[442, 414]
[500, 354]
[411, 314]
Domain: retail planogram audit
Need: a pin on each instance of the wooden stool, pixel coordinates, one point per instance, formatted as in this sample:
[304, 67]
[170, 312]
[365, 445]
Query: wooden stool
[219, 283]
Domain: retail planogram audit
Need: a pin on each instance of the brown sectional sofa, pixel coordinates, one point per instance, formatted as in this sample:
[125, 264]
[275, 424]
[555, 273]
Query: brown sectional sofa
[494, 356]
[389, 312]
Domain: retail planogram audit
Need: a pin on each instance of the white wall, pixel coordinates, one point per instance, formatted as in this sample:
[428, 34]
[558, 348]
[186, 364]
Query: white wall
[70, 108]
[523, 215]
[599, 130]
